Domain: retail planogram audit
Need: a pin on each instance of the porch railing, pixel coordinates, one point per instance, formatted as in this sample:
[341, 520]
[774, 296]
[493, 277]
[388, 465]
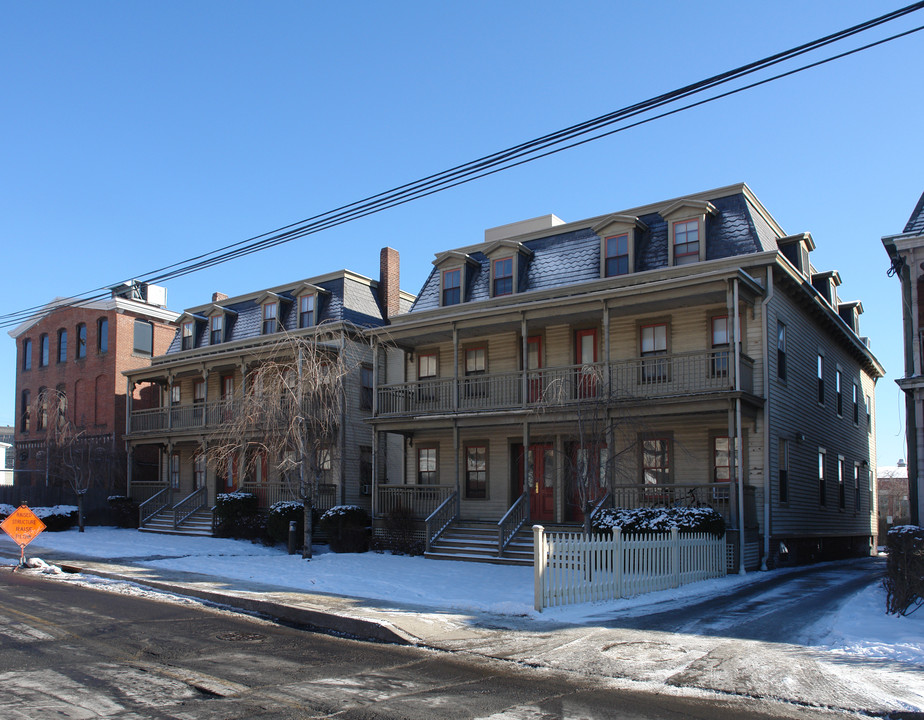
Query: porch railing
[441, 518]
[420, 500]
[189, 505]
[153, 505]
[514, 519]
[143, 491]
[702, 372]
[182, 417]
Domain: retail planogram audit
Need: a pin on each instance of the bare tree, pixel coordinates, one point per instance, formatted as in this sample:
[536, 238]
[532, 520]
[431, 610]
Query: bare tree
[601, 423]
[67, 450]
[288, 418]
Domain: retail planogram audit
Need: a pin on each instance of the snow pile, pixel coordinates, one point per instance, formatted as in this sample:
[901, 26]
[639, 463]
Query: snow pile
[660, 519]
[47, 512]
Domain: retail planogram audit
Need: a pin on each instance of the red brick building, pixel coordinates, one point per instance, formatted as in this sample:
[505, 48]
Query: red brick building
[80, 352]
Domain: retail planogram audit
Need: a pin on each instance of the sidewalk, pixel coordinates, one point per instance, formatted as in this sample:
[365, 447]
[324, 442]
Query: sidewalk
[661, 661]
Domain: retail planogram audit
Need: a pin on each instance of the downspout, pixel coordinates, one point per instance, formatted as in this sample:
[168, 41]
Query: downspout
[739, 440]
[766, 361]
[375, 433]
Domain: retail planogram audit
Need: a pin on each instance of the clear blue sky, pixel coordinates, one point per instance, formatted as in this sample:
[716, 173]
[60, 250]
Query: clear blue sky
[135, 134]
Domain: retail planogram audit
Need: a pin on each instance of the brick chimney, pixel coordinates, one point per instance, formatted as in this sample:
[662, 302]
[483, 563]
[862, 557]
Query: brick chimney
[389, 287]
[218, 296]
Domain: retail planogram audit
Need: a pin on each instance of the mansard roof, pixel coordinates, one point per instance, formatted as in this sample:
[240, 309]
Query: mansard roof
[735, 224]
[916, 221]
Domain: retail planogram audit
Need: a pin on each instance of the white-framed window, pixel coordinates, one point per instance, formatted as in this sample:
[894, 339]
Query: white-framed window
[476, 472]
[856, 404]
[821, 379]
[856, 486]
[427, 468]
[188, 335]
[838, 392]
[175, 471]
[216, 329]
[199, 391]
[270, 311]
[656, 461]
[841, 479]
[616, 255]
[686, 241]
[822, 482]
[502, 269]
[452, 287]
[426, 365]
[199, 471]
[718, 361]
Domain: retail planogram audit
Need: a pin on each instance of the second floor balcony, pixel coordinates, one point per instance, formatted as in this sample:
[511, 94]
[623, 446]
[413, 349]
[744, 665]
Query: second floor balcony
[654, 377]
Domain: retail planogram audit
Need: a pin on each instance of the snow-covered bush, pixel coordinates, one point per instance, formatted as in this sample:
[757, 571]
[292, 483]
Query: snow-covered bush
[57, 517]
[662, 519]
[237, 515]
[904, 581]
[124, 511]
[5, 511]
[347, 528]
[278, 518]
[400, 533]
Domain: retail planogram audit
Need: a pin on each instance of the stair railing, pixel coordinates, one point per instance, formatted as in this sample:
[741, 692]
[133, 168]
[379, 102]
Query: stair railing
[514, 519]
[440, 519]
[153, 505]
[189, 505]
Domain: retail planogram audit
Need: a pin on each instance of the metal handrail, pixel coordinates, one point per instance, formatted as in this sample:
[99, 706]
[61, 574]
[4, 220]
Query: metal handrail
[162, 499]
[180, 511]
[515, 518]
[441, 515]
[599, 506]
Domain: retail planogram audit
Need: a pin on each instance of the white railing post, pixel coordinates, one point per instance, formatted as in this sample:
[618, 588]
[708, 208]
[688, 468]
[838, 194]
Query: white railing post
[617, 560]
[675, 557]
[539, 567]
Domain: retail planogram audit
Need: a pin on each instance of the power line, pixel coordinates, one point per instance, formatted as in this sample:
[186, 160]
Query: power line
[514, 156]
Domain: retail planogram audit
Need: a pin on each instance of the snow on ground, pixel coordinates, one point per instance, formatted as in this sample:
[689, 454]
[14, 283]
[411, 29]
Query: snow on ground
[860, 627]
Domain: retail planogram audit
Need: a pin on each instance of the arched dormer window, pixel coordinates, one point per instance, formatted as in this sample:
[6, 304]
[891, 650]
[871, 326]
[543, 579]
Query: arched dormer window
[308, 303]
[454, 268]
[190, 326]
[219, 318]
[508, 260]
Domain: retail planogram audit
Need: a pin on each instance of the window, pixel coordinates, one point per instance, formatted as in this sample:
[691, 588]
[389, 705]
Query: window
[81, 341]
[27, 354]
[503, 276]
[475, 361]
[306, 305]
[686, 242]
[25, 413]
[452, 287]
[476, 472]
[856, 405]
[656, 462]
[43, 409]
[199, 391]
[841, 490]
[60, 400]
[781, 351]
[822, 488]
[719, 359]
[175, 471]
[617, 255]
[324, 459]
[426, 366]
[366, 389]
[187, 341]
[199, 466]
[721, 459]
[838, 393]
[102, 335]
[175, 394]
[869, 410]
[43, 351]
[365, 469]
[269, 318]
[216, 327]
[821, 379]
[426, 466]
[856, 486]
[144, 338]
[653, 342]
[783, 470]
[62, 345]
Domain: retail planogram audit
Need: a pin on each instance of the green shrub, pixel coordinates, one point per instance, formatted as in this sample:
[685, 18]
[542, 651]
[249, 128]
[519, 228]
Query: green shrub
[347, 528]
[237, 515]
[904, 581]
[124, 511]
[278, 518]
[655, 520]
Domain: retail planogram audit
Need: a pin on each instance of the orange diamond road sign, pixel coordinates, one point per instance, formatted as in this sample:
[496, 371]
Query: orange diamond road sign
[23, 526]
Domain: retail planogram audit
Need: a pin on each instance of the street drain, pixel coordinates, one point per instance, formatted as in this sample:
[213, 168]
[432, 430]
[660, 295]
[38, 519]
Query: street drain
[241, 637]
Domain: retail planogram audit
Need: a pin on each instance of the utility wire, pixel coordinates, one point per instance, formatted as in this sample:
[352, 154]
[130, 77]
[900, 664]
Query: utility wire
[493, 163]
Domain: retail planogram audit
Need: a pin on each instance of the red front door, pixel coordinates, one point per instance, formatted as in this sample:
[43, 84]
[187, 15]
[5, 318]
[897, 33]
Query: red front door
[537, 478]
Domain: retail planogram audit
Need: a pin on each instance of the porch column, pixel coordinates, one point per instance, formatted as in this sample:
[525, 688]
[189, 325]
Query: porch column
[455, 367]
[169, 400]
[524, 390]
[739, 440]
[375, 462]
[606, 348]
[731, 308]
[205, 399]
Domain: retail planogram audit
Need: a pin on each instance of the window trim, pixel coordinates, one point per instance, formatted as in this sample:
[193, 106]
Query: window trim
[495, 277]
[665, 476]
[841, 483]
[856, 488]
[188, 340]
[838, 391]
[436, 364]
[616, 256]
[484, 447]
[270, 317]
[856, 404]
[218, 318]
[781, 351]
[822, 477]
[436, 464]
[821, 378]
[445, 289]
[689, 256]
[311, 313]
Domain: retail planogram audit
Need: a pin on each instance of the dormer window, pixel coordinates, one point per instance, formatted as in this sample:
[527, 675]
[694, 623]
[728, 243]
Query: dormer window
[686, 242]
[188, 337]
[687, 222]
[306, 311]
[617, 255]
[452, 286]
[216, 329]
[796, 249]
[270, 312]
[502, 270]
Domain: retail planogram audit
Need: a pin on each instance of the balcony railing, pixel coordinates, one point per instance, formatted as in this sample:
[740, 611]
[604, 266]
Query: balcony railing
[182, 417]
[420, 500]
[641, 378]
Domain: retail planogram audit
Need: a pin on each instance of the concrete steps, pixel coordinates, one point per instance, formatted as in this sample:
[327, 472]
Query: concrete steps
[199, 523]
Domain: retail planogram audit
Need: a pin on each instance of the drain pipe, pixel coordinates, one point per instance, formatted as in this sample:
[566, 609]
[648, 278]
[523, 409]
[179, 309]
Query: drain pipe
[739, 439]
[763, 317]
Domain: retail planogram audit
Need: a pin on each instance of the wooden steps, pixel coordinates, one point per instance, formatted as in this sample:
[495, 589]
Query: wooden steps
[199, 523]
[477, 542]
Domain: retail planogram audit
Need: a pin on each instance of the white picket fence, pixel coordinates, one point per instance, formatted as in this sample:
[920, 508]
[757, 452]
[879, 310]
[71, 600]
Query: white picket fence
[571, 567]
